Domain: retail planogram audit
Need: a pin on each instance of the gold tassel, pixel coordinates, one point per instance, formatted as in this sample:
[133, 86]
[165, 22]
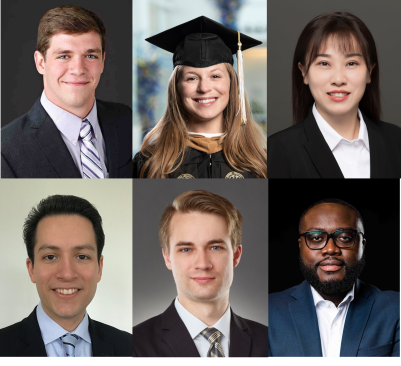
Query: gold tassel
[241, 83]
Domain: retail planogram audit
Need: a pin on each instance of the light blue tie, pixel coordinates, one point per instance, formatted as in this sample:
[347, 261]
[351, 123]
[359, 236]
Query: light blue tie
[69, 342]
[90, 159]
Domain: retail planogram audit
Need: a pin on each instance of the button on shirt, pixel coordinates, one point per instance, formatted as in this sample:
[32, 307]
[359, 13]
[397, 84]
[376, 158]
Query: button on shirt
[331, 322]
[51, 333]
[69, 126]
[353, 157]
[195, 326]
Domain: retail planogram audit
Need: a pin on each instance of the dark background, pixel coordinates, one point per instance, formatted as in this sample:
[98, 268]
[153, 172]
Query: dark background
[378, 201]
[285, 21]
[153, 284]
[21, 84]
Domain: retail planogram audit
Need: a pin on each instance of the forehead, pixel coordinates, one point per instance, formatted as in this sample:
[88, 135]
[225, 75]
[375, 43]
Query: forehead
[329, 216]
[65, 231]
[86, 40]
[340, 43]
[204, 70]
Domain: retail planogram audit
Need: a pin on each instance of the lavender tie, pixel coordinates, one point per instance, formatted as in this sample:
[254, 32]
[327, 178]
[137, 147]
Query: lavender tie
[90, 159]
[69, 342]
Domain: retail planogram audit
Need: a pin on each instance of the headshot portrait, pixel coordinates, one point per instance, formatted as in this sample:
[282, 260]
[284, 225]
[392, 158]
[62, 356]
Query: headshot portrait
[339, 79]
[338, 293]
[75, 118]
[204, 260]
[62, 269]
[207, 129]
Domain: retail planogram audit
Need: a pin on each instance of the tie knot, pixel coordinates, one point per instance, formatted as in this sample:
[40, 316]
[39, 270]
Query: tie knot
[211, 334]
[86, 130]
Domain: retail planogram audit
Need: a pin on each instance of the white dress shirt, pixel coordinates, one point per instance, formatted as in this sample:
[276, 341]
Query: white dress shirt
[51, 333]
[331, 322]
[69, 126]
[353, 157]
[195, 326]
[208, 135]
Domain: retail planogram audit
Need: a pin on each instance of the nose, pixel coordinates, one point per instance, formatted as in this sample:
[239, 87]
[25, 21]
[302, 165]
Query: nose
[202, 260]
[331, 248]
[204, 86]
[66, 270]
[77, 66]
[338, 77]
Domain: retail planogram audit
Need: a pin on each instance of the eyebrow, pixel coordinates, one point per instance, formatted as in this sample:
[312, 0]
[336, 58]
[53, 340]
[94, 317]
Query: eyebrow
[189, 243]
[346, 55]
[89, 50]
[339, 228]
[194, 72]
[56, 248]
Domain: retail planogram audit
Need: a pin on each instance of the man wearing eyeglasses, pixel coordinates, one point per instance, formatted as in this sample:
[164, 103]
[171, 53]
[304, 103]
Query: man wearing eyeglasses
[333, 313]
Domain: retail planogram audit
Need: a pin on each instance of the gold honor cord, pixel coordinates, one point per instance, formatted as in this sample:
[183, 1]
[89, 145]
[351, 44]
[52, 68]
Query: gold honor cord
[241, 83]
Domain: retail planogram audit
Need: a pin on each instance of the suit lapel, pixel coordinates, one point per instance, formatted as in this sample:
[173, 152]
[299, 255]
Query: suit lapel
[106, 122]
[355, 323]
[377, 148]
[48, 137]
[318, 150]
[30, 334]
[305, 321]
[240, 342]
[176, 334]
[100, 348]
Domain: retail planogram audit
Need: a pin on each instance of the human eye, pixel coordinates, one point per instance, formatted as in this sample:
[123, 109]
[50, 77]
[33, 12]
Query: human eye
[63, 57]
[83, 257]
[93, 57]
[185, 250]
[216, 247]
[323, 63]
[49, 257]
[216, 77]
[191, 78]
[353, 63]
[315, 236]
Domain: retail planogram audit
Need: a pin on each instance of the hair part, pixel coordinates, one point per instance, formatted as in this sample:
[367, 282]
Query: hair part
[70, 20]
[244, 145]
[350, 35]
[203, 202]
[59, 205]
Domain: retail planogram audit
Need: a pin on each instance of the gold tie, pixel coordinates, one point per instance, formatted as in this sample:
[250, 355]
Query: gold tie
[213, 336]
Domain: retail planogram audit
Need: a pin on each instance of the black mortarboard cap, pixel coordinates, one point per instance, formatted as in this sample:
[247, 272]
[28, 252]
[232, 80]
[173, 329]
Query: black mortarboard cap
[201, 42]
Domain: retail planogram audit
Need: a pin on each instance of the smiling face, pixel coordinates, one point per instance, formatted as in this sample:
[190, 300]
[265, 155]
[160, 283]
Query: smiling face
[337, 80]
[201, 256]
[205, 94]
[66, 270]
[71, 70]
[331, 263]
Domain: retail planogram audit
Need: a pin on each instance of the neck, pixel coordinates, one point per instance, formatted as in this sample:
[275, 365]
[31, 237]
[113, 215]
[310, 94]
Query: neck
[208, 312]
[79, 111]
[206, 126]
[69, 324]
[346, 125]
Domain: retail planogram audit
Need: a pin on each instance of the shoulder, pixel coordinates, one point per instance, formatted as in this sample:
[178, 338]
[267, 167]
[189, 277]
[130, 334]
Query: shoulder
[147, 327]
[11, 331]
[256, 329]
[388, 298]
[112, 333]
[10, 339]
[117, 108]
[295, 132]
[276, 299]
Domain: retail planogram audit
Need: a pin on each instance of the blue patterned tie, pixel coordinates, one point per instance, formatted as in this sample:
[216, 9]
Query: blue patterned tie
[69, 342]
[90, 159]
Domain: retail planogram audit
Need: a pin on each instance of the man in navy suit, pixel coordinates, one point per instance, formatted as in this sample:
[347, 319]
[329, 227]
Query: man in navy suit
[68, 133]
[333, 313]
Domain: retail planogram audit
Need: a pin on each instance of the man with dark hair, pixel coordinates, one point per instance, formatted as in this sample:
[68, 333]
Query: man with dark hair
[68, 133]
[333, 313]
[64, 240]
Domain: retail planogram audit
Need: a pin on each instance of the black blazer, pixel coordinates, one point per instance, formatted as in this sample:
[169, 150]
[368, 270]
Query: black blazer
[166, 335]
[301, 151]
[32, 146]
[198, 164]
[24, 339]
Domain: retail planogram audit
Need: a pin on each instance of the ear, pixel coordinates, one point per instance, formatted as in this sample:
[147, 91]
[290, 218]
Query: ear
[104, 57]
[29, 265]
[299, 242]
[369, 80]
[237, 255]
[166, 259]
[300, 66]
[39, 62]
[99, 275]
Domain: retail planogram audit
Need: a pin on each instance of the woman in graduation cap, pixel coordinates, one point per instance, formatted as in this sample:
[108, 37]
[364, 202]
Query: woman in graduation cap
[207, 130]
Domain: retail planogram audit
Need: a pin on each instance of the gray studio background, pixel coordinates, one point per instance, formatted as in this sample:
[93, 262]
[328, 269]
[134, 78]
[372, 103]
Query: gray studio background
[153, 284]
[21, 84]
[285, 21]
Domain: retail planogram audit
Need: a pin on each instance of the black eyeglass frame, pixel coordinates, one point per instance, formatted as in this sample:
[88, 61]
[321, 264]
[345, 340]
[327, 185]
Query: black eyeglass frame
[331, 236]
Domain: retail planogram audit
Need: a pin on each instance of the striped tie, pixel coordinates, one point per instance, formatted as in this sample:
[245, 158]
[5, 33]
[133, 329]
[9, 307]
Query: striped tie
[213, 336]
[69, 342]
[90, 159]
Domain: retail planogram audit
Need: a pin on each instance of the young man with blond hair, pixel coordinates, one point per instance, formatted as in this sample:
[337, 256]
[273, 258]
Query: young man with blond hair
[200, 235]
[68, 133]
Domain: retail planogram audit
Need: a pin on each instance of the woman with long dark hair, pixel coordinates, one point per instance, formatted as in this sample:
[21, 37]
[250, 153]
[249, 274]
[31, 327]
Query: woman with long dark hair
[337, 132]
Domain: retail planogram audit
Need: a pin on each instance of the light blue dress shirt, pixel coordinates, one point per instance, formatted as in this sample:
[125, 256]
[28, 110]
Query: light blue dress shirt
[69, 126]
[51, 333]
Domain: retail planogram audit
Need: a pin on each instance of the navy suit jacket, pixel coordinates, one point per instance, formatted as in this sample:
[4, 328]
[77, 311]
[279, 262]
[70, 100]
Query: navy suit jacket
[24, 339]
[166, 335]
[32, 146]
[372, 325]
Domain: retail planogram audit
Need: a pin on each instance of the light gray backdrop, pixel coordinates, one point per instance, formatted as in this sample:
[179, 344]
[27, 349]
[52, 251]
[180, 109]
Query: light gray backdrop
[153, 284]
[285, 21]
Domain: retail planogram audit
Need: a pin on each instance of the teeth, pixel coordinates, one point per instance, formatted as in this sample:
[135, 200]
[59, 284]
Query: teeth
[206, 100]
[65, 291]
[338, 94]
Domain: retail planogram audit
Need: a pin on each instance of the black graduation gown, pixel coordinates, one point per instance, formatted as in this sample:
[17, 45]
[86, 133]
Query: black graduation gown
[198, 164]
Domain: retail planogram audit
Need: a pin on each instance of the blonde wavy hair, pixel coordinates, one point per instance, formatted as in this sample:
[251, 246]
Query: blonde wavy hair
[244, 145]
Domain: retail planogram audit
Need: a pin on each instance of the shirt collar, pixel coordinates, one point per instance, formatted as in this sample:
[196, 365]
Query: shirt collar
[317, 298]
[208, 135]
[332, 137]
[51, 331]
[68, 123]
[195, 326]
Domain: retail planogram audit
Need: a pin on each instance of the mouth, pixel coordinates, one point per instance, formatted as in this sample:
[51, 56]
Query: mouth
[338, 95]
[203, 279]
[76, 83]
[205, 102]
[65, 291]
[331, 265]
